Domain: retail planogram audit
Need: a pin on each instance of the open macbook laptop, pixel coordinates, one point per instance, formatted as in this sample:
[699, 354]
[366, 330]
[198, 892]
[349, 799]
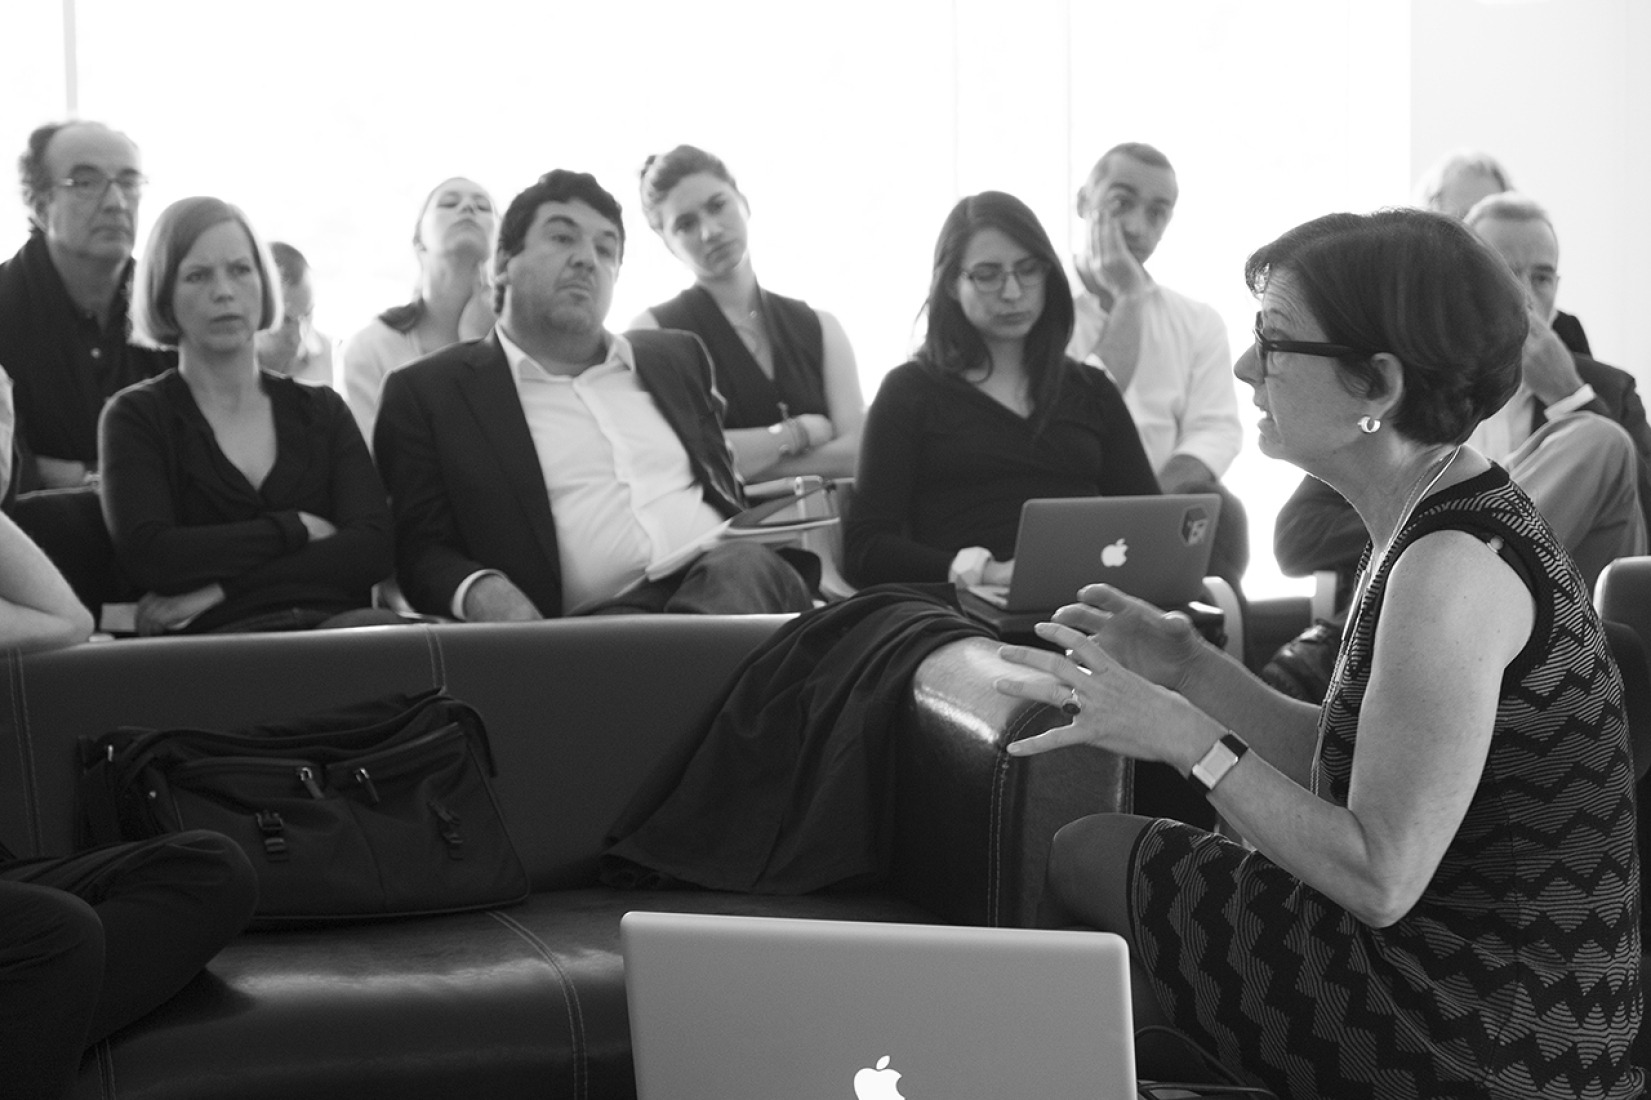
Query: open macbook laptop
[759, 1008]
[1157, 548]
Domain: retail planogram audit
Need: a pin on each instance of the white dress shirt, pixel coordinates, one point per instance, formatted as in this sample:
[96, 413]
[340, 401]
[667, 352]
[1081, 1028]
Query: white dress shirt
[1503, 432]
[1182, 395]
[622, 491]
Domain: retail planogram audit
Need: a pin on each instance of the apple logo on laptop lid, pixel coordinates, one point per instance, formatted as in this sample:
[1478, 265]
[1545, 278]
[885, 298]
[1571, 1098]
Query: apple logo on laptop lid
[879, 1083]
[1114, 554]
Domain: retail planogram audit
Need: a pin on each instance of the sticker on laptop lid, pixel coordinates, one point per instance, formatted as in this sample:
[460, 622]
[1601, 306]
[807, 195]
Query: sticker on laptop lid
[1196, 525]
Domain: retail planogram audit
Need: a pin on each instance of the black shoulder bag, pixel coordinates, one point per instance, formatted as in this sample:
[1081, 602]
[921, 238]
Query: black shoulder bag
[374, 810]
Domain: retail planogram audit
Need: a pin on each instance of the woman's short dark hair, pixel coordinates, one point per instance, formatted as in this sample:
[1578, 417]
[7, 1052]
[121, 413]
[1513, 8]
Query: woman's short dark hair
[559, 185]
[952, 344]
[663, 171]
[177, 229]
[1419, 286]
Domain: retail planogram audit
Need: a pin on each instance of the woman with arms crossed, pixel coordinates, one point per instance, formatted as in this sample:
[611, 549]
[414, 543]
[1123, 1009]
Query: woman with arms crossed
[1442, 895]
[990, 414]
[236, 499]
[786, 369]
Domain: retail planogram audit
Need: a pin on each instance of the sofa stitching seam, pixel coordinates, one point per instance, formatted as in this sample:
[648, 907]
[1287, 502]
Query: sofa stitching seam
[570, 997]
[106, 1069]
[25, 752]
[438, 664]
[994, 841]
[1017, 729]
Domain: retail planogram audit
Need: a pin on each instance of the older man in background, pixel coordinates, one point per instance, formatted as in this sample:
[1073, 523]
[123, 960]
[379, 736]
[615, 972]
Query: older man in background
[64, 337]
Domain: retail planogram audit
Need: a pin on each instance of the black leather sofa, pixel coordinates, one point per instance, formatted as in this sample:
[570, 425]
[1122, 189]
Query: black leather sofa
[526, 1001]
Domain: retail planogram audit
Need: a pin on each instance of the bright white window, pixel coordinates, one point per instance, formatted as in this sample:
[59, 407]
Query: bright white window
[852, 127]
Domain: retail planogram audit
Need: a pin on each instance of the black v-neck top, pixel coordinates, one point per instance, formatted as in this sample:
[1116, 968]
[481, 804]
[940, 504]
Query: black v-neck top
[943, 466]
[183, 516]
[754, 400]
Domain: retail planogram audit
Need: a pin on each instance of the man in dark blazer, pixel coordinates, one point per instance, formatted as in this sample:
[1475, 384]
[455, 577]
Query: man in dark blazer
[552, 467]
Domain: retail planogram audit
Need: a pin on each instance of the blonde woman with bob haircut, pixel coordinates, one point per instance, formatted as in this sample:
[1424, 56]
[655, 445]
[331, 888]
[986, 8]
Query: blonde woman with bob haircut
[237, 499]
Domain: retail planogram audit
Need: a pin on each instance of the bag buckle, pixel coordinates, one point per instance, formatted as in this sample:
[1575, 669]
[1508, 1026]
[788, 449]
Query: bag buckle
[275, 844]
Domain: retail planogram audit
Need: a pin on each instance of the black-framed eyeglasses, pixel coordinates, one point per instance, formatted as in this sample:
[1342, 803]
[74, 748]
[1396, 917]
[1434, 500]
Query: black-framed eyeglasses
[1265, 347]
[990, 278]
[89, 184]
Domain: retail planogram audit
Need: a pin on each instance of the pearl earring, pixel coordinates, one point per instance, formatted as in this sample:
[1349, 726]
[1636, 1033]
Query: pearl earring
[1369, 425]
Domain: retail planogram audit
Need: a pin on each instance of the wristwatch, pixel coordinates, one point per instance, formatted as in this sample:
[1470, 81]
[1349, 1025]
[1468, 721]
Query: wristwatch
[1215, 765]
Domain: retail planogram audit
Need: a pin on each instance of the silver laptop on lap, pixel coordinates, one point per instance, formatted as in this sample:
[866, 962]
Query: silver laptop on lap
[1157, 548]
[758, 1008]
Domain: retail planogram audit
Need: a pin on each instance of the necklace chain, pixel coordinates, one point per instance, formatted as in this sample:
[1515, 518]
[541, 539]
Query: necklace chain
[1425, 481]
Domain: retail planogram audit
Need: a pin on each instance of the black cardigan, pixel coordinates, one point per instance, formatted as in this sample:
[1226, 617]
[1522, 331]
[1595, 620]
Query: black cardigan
[183, 516]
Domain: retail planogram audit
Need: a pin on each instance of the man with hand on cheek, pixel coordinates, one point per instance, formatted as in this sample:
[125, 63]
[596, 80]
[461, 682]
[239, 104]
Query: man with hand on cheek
[1167, 353]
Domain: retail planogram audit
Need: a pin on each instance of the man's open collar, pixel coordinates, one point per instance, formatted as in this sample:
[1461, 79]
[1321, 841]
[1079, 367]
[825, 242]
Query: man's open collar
[524, 367]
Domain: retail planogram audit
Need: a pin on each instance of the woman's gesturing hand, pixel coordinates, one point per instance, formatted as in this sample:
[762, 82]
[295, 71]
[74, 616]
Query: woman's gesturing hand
[1109, 706]
[1157, 645]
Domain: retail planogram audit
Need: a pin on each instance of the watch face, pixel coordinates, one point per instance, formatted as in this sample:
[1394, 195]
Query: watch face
[1215, 764]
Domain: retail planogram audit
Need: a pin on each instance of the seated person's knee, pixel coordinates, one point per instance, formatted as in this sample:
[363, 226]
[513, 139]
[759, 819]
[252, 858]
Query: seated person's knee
[51, 928]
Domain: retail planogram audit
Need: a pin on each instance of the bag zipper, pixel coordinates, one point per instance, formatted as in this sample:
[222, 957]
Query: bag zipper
[304, 773]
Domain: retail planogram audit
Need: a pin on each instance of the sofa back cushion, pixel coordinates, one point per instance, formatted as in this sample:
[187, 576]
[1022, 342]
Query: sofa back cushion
[582, 713]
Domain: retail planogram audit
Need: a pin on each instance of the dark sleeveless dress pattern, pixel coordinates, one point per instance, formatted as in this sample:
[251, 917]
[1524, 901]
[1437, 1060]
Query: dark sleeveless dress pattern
[755, 400]
[1517, 973]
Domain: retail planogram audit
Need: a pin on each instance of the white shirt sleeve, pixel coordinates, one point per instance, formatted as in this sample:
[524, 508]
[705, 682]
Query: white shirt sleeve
[1210, 429]
[363, 361]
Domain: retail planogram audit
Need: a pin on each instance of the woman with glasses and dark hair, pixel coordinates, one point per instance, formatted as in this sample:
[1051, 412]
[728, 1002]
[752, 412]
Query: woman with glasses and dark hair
[237, 499]
[1439, 895]
[990, 414]
[786, 369]
[453, 240]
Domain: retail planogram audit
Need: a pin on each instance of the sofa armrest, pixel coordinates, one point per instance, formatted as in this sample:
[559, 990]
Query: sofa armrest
[973, 824]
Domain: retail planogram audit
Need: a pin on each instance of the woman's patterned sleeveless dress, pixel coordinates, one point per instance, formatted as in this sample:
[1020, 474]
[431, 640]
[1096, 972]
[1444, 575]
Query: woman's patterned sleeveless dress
[1517, 973]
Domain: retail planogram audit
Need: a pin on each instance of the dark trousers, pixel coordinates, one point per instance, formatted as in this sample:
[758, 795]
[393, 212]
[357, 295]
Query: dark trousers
[89, 943]
[731, 578]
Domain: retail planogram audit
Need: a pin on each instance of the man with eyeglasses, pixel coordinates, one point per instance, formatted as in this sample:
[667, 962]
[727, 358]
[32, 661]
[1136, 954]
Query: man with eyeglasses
[1167, 353]
[63, 298]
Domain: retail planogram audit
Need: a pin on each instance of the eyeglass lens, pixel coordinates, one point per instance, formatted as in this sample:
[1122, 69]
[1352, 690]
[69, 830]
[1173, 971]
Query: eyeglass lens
[90, 181]
[991, 277]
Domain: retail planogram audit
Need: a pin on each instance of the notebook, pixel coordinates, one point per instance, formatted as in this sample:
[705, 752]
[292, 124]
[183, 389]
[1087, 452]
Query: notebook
[1157, 548]
[755, 1008]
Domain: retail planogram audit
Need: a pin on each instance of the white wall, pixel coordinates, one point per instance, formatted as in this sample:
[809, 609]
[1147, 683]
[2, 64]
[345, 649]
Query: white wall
[854, 125]
[1561, 94]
